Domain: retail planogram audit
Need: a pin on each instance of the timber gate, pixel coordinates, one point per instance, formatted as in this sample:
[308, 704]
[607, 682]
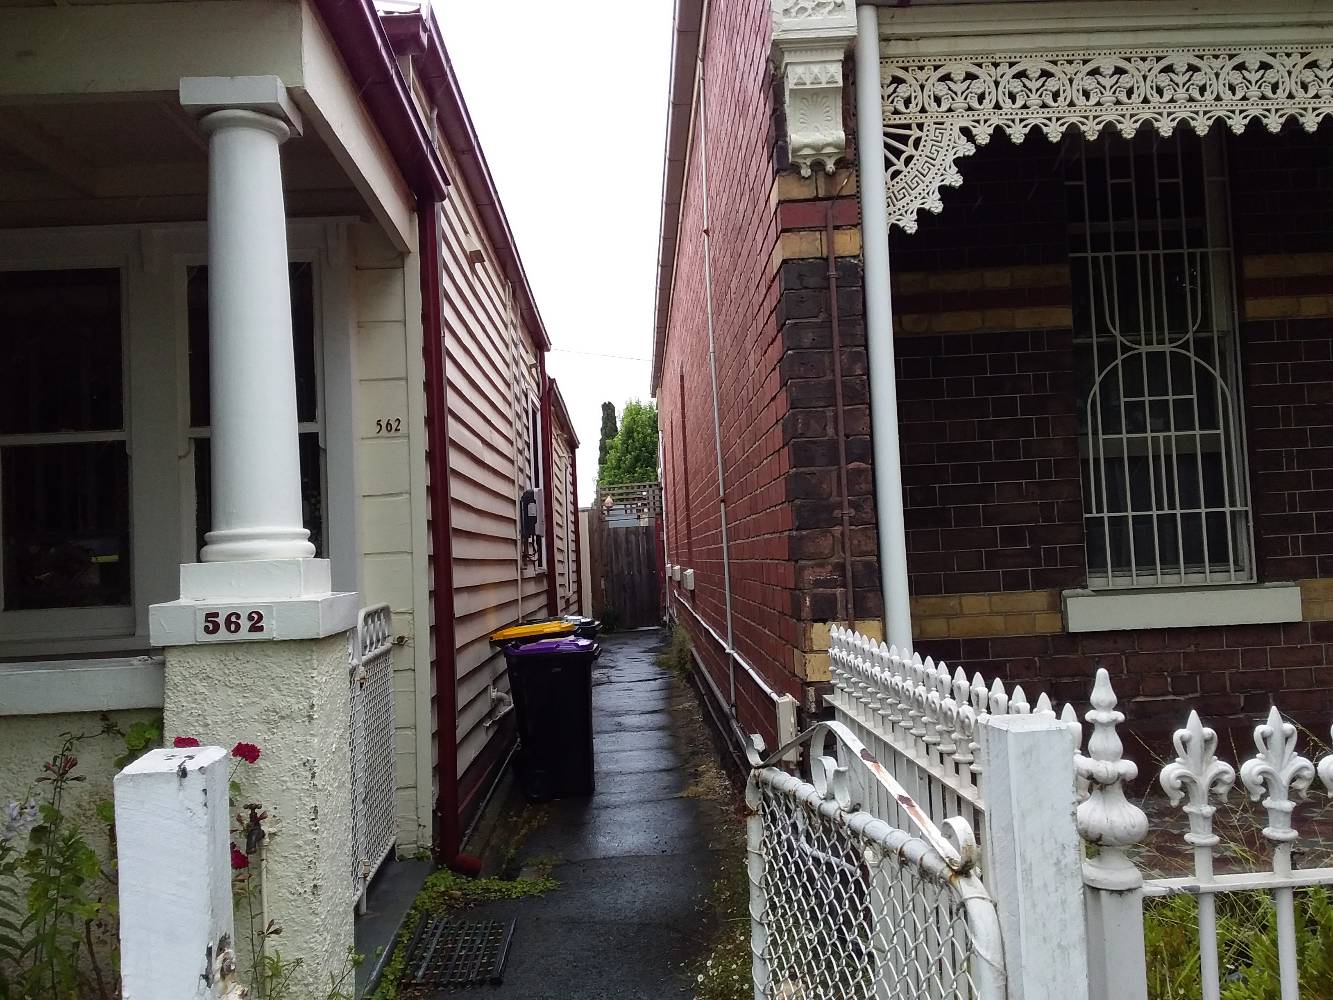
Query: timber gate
[625, 555]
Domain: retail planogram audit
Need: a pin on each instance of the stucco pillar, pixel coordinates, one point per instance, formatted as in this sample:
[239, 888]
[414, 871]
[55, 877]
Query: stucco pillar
[257, 646]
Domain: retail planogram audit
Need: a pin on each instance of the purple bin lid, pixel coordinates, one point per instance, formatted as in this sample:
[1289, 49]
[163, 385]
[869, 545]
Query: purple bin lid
[543, 647]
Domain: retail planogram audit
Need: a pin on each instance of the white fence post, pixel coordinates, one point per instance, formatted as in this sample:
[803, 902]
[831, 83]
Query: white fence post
[172, 843]
[1109, 821]
[1033, 854]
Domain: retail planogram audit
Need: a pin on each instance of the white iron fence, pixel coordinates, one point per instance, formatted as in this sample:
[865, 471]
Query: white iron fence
[847, 907]
[371, 676]
[953, 744]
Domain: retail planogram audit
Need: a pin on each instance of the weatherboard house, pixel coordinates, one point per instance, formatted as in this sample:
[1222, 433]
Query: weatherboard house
[271, 359]
[1005, 331]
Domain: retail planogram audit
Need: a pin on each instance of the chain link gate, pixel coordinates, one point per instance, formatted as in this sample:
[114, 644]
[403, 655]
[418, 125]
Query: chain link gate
[844, 906]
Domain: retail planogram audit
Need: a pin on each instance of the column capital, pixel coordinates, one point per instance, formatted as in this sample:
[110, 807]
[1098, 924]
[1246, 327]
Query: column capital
[810, 41]
[264, 95]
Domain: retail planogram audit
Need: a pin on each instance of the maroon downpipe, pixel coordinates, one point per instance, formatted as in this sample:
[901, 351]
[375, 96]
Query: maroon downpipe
[442, 597]
[578, 533]
[548, 487]
[840, 423]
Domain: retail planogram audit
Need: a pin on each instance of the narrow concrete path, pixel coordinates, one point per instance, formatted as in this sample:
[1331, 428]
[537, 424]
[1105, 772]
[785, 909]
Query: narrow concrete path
[633, 862]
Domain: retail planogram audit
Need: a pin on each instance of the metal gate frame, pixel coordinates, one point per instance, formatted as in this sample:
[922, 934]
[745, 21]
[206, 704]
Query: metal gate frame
[374, 831]
[844, 906]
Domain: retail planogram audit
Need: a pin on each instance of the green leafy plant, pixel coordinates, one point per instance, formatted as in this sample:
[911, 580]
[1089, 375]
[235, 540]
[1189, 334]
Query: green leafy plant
[610, 619]
[12, 911]
[46, 947]
[676, 657]
[631, 456]
[1246, 944]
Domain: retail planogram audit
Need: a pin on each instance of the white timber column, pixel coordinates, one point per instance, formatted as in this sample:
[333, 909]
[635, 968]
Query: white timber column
[252, 373]
[257, 646]
[879, 333]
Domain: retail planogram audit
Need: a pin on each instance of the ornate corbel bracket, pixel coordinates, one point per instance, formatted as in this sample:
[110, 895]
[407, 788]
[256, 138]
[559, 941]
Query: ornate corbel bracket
[810, 41]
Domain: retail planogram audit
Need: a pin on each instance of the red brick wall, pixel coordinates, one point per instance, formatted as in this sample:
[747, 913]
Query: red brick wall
[987, 412]
[1282, 207]
[990, 449]
[743, 233]
[810, 429]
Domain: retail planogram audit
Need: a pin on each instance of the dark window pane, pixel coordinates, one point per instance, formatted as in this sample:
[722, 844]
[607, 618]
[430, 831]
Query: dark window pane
[303, 342]
[66, 525]
[312, 490]
[61, 335]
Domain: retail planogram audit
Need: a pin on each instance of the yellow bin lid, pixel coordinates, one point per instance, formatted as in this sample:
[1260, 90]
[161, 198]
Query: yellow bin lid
[537, 630]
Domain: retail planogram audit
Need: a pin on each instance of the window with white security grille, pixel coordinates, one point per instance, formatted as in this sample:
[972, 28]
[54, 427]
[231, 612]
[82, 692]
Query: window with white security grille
[1165, 499]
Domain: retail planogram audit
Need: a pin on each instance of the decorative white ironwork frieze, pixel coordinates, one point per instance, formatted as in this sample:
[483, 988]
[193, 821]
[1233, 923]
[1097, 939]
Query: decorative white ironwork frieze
[937, 111]
[810, 40]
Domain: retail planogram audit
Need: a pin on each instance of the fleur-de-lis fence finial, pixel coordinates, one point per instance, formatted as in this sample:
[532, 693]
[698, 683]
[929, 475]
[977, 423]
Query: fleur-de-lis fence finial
[1195, 777]
[1281, 777]
[1106, 818]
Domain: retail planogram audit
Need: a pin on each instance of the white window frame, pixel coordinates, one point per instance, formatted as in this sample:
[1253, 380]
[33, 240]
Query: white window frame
[152, 260]
[71, 250]
[1218, 255]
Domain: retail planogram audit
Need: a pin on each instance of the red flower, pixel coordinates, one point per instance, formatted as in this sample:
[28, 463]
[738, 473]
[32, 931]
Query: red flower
[247, 752]
[238, 859]
[184, 741]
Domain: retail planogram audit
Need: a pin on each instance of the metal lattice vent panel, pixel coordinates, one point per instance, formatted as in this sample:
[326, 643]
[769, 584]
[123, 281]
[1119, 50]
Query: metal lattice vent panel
[373, 828]
[447, 954]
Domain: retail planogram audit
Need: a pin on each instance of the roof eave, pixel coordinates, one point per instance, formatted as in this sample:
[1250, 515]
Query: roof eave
[687, 31]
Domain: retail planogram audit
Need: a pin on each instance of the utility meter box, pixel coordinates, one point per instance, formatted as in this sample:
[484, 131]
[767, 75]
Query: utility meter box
[688, 580]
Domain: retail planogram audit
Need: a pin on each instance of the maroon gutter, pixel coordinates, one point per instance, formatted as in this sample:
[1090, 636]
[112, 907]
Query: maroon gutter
[436, 73]
[356, 31]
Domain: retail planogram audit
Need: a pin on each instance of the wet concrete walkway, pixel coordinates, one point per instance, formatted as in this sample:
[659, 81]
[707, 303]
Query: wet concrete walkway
[633, 862]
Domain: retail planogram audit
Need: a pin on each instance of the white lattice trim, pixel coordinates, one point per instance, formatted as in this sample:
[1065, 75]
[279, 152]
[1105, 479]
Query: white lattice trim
[937, 111]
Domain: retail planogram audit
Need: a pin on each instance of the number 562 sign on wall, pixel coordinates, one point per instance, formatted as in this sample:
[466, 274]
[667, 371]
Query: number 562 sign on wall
[234, 624]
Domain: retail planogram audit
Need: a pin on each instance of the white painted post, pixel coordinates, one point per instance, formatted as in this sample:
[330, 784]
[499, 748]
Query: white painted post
[1033, 854]
[1117, 968]
[754, 870]
[787, 728]
[174, 854]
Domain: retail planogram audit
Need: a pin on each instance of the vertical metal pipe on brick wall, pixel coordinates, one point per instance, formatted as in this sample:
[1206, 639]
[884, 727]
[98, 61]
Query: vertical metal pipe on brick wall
[839, 414]
[879, 332]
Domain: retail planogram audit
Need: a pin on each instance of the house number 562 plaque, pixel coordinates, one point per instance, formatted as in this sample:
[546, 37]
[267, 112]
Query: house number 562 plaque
[244, 623]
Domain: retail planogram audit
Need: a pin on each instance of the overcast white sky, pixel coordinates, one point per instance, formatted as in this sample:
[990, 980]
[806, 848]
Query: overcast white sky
[571, 112]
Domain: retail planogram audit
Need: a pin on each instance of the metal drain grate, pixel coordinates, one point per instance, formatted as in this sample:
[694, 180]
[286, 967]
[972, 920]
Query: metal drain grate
[447, 954]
